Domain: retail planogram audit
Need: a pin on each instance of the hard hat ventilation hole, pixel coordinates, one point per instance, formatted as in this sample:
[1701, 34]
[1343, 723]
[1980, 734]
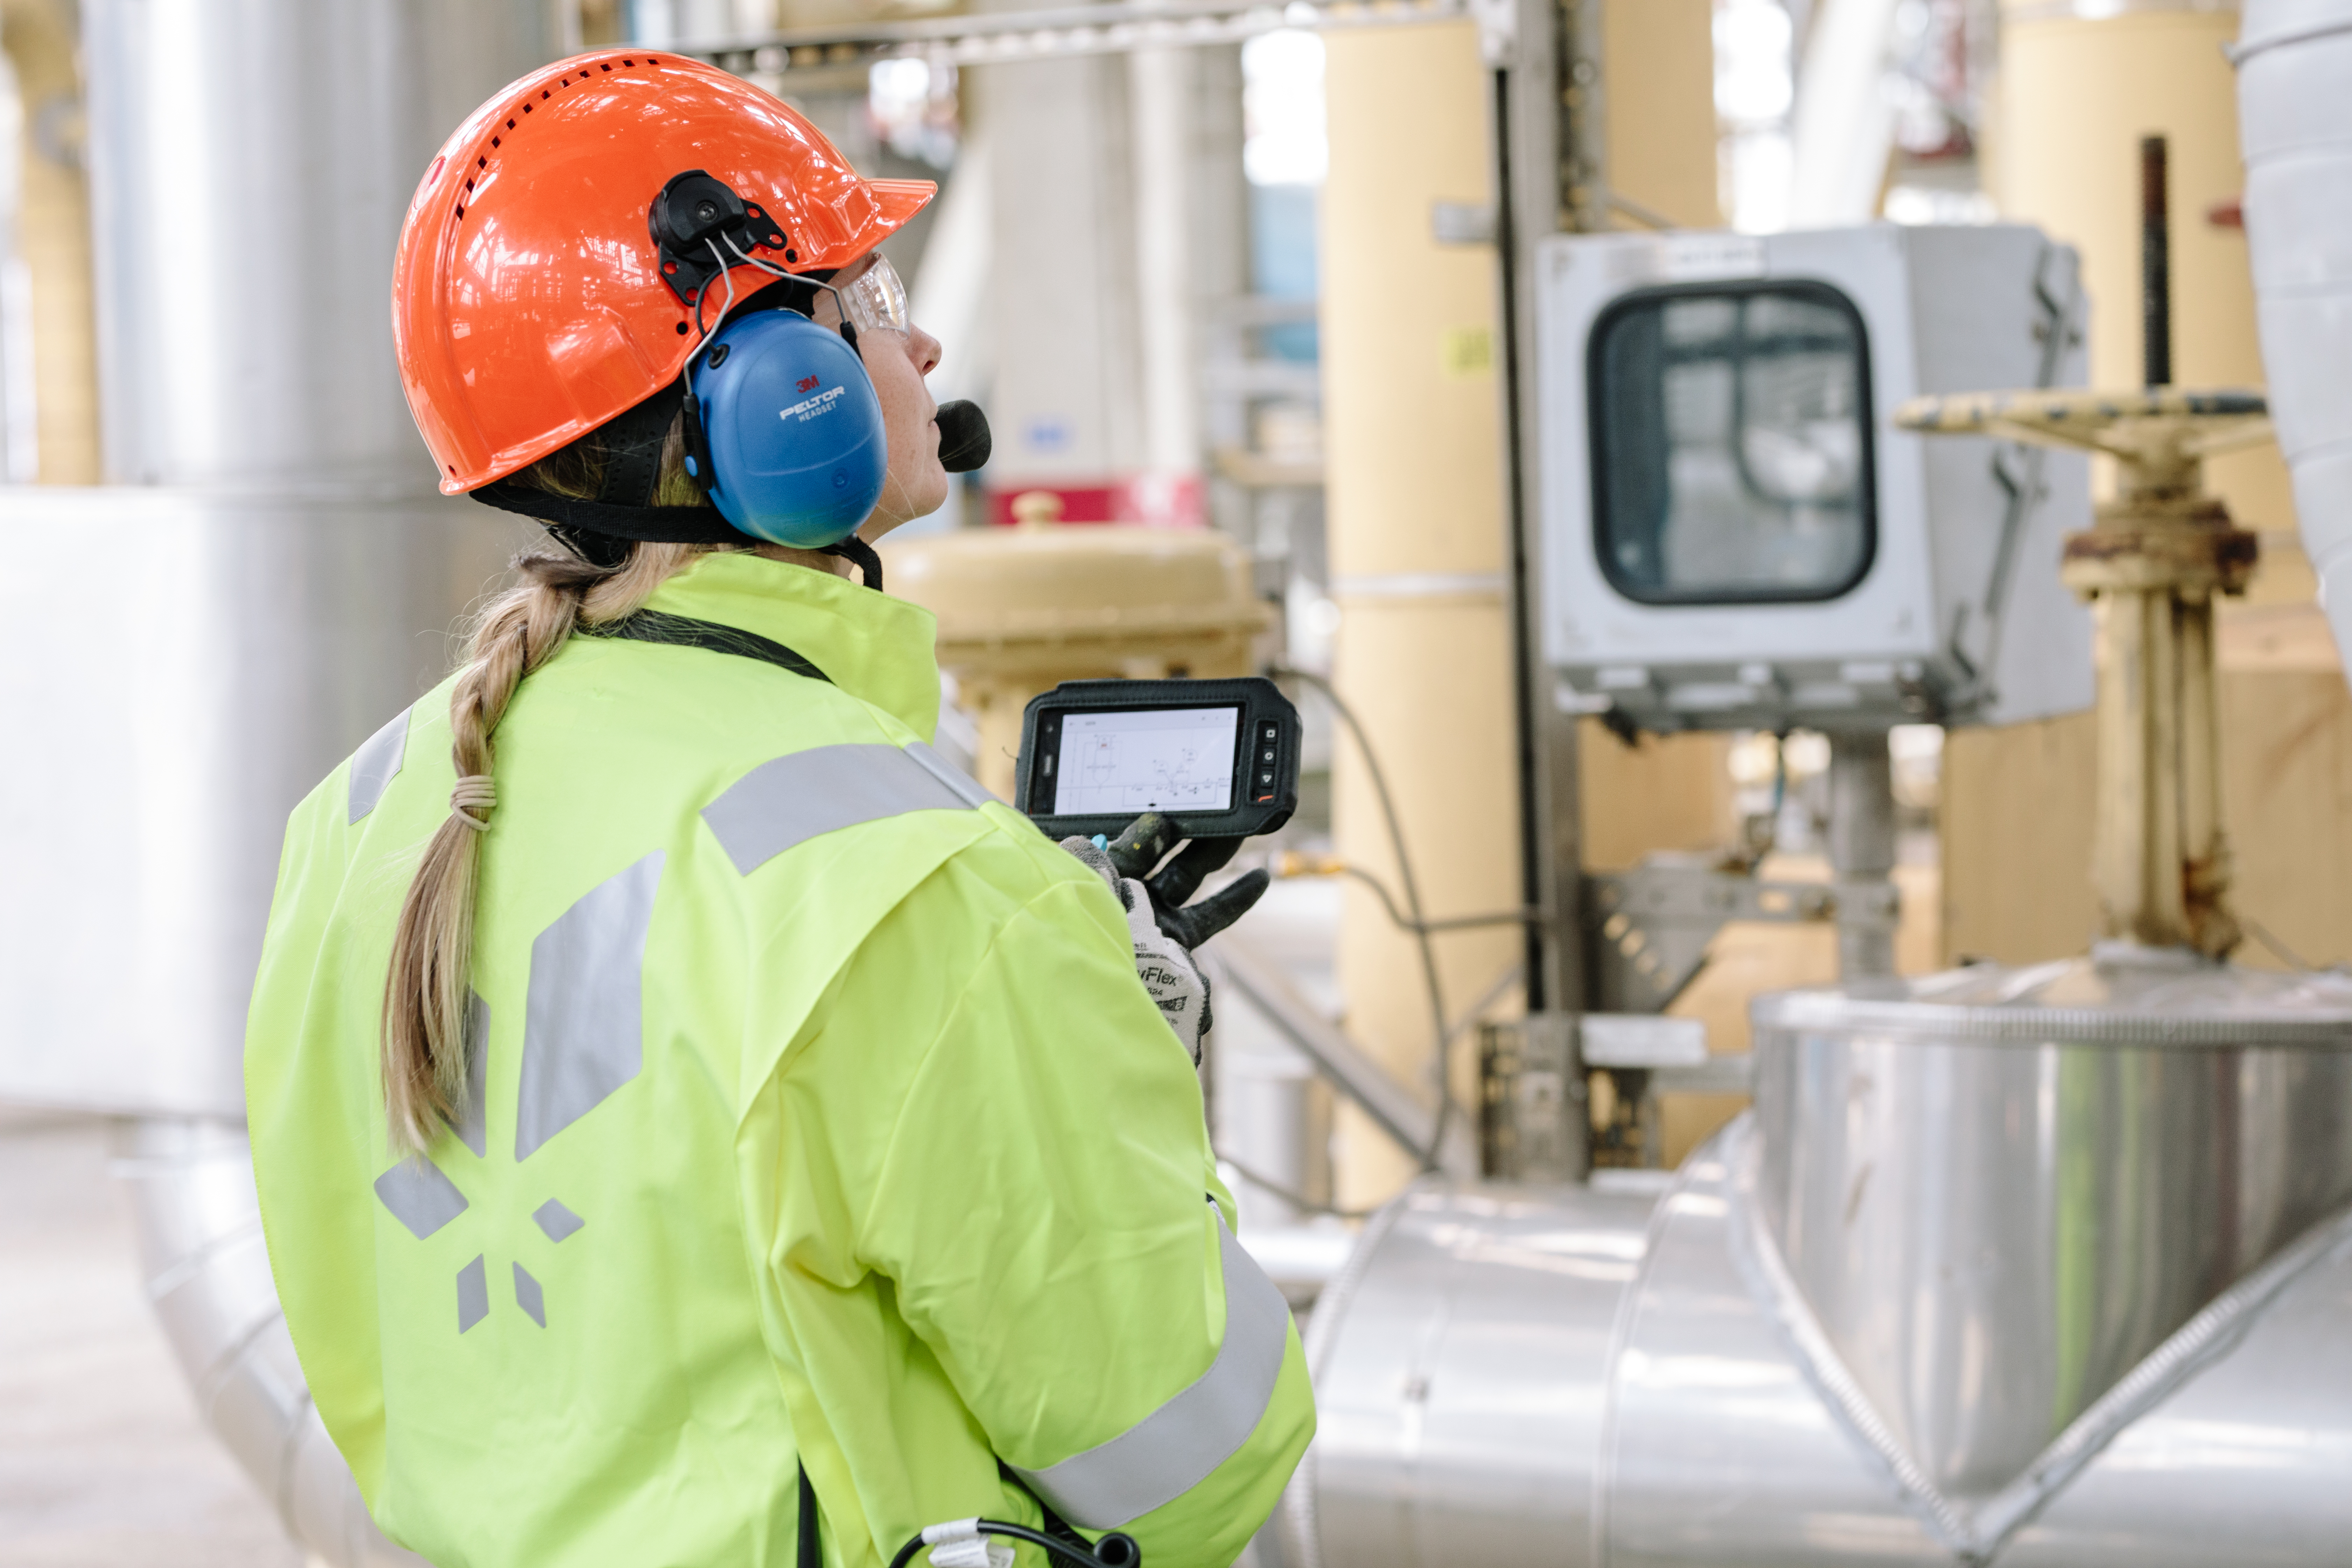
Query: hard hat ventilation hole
[482, 163]
[605, 65]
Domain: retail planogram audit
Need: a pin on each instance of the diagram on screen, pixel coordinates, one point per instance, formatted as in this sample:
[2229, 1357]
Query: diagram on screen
[1167, 760]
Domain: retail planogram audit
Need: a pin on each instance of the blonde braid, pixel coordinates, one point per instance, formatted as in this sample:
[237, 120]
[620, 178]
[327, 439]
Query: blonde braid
[424, 1040]
[424, 1029]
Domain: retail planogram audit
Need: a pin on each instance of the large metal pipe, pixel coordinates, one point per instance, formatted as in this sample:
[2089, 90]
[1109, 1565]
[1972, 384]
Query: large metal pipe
[208, 1277]
[250, 167]
[2041, 1265]
[271, 578]
[2294, 57]
[1460, 1363]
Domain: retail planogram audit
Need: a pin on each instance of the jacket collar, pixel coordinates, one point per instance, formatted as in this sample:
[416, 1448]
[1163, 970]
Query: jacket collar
[876, 649]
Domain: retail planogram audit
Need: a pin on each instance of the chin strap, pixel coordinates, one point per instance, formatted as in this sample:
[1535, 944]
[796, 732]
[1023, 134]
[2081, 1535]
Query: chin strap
[588, 527]
[645, 524]
[861, 554]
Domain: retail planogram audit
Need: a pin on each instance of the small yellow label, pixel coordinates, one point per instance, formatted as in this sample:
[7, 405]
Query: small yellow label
[1469, 351]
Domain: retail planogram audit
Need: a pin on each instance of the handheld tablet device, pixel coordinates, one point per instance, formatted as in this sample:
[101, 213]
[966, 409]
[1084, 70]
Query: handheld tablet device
[1219, 757]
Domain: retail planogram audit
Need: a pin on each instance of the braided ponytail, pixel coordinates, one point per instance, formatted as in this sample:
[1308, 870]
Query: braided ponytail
[424, 1043]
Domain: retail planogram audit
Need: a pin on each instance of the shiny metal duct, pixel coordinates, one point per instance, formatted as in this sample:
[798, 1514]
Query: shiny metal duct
[250, 166]
[2050, 1266]
[1459, 1365]
[269, 579]
[2293, 58]
[190, 663]
[208, 1277]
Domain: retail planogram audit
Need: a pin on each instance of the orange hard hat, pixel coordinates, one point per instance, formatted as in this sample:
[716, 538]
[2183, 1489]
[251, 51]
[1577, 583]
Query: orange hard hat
[533, 300]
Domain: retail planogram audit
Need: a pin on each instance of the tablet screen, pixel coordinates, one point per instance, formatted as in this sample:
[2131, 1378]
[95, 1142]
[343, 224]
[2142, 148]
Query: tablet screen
[1163, 759]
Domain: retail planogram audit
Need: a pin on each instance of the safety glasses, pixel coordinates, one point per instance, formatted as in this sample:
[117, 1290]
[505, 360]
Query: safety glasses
[876, 301]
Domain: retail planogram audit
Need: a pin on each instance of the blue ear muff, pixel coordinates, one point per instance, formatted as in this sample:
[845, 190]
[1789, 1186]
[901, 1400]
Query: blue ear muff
[792, 446]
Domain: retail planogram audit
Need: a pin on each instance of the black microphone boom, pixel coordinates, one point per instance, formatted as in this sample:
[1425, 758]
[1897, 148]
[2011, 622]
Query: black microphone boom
[964, 436]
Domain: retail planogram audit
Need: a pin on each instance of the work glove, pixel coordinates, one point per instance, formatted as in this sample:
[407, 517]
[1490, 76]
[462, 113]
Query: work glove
[1163, 930]
[1161, 963]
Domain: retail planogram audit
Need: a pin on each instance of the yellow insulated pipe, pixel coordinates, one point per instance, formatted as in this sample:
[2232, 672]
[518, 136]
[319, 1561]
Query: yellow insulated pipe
[2081, 82]
[1416, 526]
[1413, 426]
[42, 43]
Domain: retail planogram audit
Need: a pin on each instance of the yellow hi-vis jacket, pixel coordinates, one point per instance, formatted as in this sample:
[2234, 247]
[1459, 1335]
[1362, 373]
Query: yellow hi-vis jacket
[817, 1116]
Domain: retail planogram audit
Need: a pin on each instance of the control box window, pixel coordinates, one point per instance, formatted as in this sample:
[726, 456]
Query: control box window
[1731, 450]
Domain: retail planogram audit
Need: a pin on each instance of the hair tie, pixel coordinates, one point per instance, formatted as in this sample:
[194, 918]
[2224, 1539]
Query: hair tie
[474, 790]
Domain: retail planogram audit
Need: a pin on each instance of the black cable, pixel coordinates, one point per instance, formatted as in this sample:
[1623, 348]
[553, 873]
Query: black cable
[1451, 923]
[1420, 924]
[1113, 1550]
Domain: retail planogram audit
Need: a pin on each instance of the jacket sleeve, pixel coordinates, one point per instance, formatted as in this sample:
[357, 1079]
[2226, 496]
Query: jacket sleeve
[1046, 1207]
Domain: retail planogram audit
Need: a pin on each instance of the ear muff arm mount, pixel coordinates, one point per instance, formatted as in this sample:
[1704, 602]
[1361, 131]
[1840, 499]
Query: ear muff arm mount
[694, 214]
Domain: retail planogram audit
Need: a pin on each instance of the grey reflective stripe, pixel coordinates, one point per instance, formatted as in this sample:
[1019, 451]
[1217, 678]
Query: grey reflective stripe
[583, 1024]
[419, 1195]
[375, 765]
[1174, 1448]
[473, 1294]
[528, 1296]
[556, 1220]
[797, 797]
[472, 1125]
[967, 788]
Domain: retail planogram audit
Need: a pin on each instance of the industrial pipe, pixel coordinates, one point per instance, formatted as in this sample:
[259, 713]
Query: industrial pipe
[279, 574]
[2294, 57]
[2045, 1266]
[207, 1274]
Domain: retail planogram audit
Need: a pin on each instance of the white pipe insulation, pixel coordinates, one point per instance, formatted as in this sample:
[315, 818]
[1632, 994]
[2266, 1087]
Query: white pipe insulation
[2294, 116]
[276, 550]
[208, 1277]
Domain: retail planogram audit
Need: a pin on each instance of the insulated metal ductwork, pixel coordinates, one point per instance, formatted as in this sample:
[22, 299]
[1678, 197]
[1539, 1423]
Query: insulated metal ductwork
[2293, 58]
[2046, 1267]
[208, 1277]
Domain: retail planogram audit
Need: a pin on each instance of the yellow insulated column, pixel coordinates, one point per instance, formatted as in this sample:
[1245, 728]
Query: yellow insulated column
[2081, 82]
[1412, 425]
[53, 236]
[1658, 107]
[1416, 526]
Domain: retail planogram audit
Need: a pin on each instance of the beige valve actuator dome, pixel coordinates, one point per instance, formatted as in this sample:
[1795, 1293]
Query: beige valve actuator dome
[1025, 608]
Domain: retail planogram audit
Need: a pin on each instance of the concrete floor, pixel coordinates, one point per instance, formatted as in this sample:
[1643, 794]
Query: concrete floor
[103, 1461]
